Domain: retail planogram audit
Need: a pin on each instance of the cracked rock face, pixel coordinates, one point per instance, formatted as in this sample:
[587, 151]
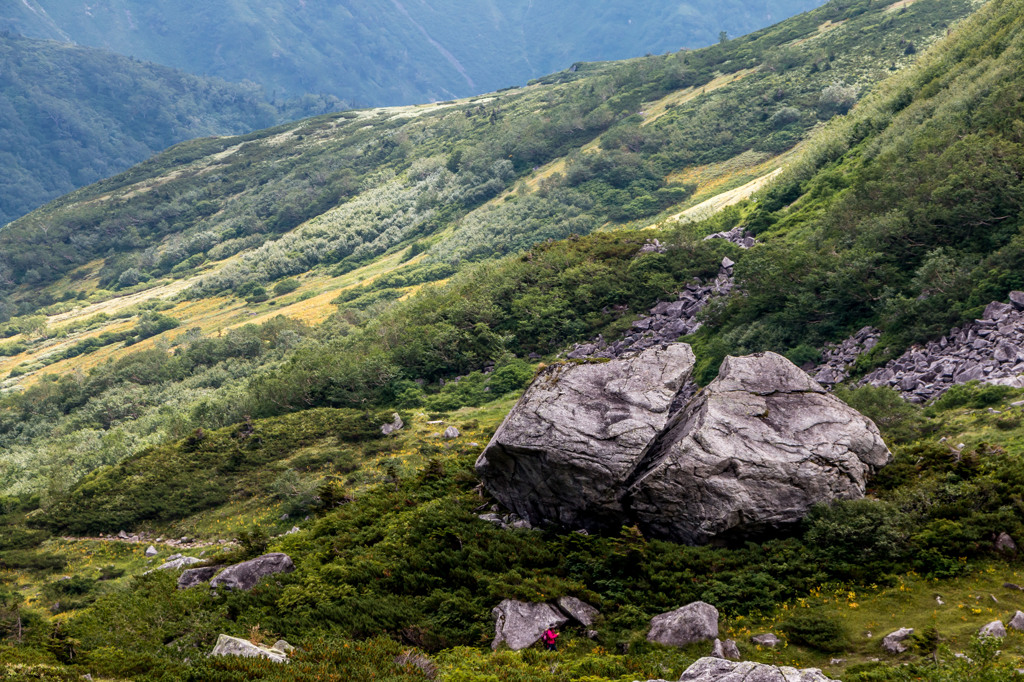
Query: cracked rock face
[569, 445]
[756, 449]
[519, 625]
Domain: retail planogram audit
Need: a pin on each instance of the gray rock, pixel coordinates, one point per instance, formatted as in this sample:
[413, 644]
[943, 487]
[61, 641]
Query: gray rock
[394, 426]
[174, 564]
[233, 646]
[580, 611]
[718, 670]
[419, 661]
[283, 646]
[565, 451]
[767, 640]
[696, 622]
[993, 629]
[519, 625]
[894, 642]
[1017, 299]
[726, 649]
[757, 448]
[451, 433]
[122, 535]
[245, 575]
[1017, 622]
[151, 551]
[1004, 543]
[194, 577]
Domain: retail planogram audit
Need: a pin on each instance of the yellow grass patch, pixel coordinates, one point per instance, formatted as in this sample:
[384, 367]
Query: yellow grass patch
[655, 110]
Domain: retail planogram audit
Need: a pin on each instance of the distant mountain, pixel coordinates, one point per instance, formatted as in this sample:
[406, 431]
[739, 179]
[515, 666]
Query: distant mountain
[394, 52]
[70, 116]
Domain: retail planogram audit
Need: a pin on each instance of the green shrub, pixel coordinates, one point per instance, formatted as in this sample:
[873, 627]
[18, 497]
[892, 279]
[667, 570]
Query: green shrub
[817, 629]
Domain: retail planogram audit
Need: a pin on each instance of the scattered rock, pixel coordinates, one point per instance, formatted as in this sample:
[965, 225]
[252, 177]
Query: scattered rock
[993, 629]
[736, 235]
[894, 642]
[768, 640]
[580, 611]
[696, 622]
[233, 646]
[295, 529]
[123, 535]
[726, 649]
[1004, 543]
[151, 551]
[756, 449]
[174, 564]
[1013, 586]
[193, 577]
[718, 670]
[245, 575]
[520, 625]
[838, 359]
[394, 426]
[283, 646]
[451, 433]
[565, 451]
[1017, 622]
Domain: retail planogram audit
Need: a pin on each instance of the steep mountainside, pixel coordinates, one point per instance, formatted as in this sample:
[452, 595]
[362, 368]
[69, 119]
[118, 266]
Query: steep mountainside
[70, 116]
[389, 53]
[905, 213]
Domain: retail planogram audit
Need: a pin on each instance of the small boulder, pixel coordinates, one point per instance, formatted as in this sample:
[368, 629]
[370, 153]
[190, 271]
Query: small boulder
[727, 650]
[1017, 299]
[1017, 622]
[766, 640]
[895, 642]
[245, 575]
[712, 669]
[1004, 543]
[696, 622]
[519, 625]
[451, 433]
[234, 646]
[151, 551]
[580, 611]
[993, 629]
[283, 646]
[394, 426]
[196, 576]
[122, 535]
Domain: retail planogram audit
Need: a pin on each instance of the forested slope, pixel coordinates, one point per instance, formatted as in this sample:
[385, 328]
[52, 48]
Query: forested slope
[70, 116]
[390, 53]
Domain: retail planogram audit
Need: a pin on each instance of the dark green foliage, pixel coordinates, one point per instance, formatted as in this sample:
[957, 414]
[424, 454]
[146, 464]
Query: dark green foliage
[816, 629]
[973, 394]
[202, 471]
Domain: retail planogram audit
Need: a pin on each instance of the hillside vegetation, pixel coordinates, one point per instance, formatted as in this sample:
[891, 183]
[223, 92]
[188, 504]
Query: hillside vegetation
[389, 53]
[70, 116]
[450, 262]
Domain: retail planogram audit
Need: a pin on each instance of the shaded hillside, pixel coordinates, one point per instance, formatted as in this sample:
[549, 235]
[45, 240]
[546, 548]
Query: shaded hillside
[70, 116]
[390, 53]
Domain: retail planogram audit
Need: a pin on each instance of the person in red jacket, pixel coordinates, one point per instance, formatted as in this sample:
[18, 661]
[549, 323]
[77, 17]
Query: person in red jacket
[549, 638]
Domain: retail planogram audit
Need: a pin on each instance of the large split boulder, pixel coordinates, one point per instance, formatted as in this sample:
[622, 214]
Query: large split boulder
[756, 449]
[245, 575]
[566, 450]
[519, 624]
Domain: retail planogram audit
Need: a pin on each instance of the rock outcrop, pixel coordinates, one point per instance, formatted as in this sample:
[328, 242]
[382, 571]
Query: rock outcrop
[395, 425]
[519, 625]
[726, 649]
[567, 448]
[194, 577]
[666, 321]
[993, 629]
[719, 670]
[696, 622]
[233, 646]
[756, 449]
[1017, 622]
[245, 575]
